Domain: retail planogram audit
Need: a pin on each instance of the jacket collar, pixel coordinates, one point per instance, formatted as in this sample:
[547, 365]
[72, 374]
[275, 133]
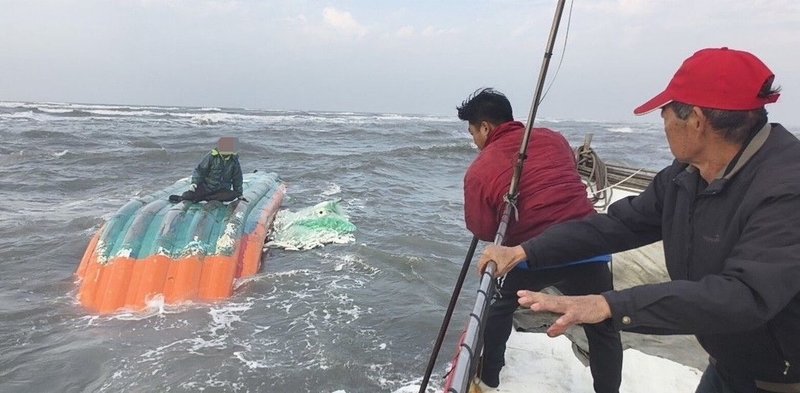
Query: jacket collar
[502, 129]
[215, 152]
[741, 159]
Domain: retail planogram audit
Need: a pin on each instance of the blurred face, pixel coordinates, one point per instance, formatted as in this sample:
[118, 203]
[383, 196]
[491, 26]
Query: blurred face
[681, 135]
[480, 132]
[226, 146]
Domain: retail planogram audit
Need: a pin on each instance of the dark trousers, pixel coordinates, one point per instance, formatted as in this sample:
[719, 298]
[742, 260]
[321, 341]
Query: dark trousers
[203, 194]
[605, 348]
[713, 382]
[716, 380]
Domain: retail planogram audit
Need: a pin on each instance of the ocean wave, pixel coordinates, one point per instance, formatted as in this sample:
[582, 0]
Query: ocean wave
[145, 143]
[427, 118]
[54, 110]
[26, 115]
[442, 148]
[228, 118]
[623, 130]
[70, 106]
[205, 115]
[11, 104]
[120, 112]
[62, 112]
[46, 134]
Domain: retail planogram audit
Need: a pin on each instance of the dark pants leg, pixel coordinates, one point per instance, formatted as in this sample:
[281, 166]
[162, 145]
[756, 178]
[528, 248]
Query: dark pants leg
[605, 348]
[203, 194]
[499, 320]
[222, 195]
[716, 381]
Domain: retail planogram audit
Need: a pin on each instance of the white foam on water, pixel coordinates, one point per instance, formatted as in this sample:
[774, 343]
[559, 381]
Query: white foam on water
[155, 305]
[431, 118]
[29, 115]
[213, 118]
[623, 130]
[224, 316]
[90, 319]
[54, 110]
[412, 385]
[332, 189]
[216, 337]
[350, 262]
[9, 104]
[290, 273]
[252, 364]
[105, 112]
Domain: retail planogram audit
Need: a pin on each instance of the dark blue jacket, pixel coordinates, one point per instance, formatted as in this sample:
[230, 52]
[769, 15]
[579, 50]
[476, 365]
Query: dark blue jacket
[732, 250]
[218, 173]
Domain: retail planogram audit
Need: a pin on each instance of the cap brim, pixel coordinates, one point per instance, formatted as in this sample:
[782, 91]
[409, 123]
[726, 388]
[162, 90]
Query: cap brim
[655, 103]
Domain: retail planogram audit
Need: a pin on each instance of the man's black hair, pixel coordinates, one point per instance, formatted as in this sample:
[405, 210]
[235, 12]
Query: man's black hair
[486, 105]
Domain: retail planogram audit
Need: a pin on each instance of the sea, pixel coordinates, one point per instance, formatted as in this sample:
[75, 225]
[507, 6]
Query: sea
[343, 318]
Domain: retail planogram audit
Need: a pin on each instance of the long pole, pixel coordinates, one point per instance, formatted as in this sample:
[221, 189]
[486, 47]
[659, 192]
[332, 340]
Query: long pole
[469, 351]
[448, 315]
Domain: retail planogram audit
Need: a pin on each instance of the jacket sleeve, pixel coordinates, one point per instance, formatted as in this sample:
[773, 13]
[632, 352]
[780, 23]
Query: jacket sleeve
[201, 171]
[480, 211]
[760, 277]
[629, 223]
[237, 178]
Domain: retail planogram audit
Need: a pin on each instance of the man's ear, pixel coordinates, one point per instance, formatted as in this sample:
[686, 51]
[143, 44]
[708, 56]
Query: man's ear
[489, 127]
[698, 120]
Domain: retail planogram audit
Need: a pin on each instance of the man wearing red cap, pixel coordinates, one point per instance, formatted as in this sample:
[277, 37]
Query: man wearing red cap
[727, 211]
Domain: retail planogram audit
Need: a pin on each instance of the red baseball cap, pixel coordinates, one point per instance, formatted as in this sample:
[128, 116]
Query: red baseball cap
[716, 78]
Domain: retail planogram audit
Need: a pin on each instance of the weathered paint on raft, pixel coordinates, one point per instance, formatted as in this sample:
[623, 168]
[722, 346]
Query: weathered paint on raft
[183, 252]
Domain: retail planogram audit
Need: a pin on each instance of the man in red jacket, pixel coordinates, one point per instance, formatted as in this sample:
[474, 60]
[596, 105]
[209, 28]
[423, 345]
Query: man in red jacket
[550, 191]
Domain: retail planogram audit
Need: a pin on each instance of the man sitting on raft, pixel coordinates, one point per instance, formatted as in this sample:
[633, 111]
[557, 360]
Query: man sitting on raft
[214, 176]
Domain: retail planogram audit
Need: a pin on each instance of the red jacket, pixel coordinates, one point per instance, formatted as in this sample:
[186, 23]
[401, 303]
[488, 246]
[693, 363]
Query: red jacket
[550, 188]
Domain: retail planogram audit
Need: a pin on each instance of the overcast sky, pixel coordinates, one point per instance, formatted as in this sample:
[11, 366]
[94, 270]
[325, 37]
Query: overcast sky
[408, 56]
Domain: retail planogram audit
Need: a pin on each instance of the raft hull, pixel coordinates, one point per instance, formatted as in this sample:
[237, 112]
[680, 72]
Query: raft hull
[180, 252]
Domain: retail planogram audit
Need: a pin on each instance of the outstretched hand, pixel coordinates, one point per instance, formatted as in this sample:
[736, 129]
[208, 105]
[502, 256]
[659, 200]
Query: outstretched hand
[504, 257]
[573, 309]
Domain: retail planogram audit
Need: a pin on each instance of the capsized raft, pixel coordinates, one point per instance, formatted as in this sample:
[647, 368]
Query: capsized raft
[182, 251]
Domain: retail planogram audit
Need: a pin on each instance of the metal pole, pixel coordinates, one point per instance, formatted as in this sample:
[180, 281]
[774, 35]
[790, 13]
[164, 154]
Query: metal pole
[462, 371]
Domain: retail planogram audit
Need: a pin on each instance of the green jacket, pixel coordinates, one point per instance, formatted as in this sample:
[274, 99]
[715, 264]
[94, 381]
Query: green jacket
[218, 173]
